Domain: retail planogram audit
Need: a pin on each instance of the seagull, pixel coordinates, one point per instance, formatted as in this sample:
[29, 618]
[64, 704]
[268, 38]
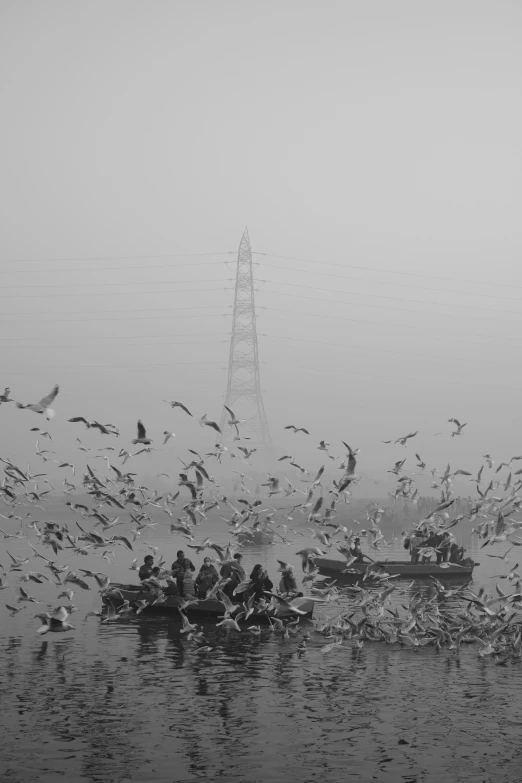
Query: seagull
[460, 426]
[43, 405]
[403, 440]
[229, 623]
[56, 623]
[296, 429]
[96, 425]
[176, 404]
[213, 424]
[5, 396]
[233, 418]
[323, 446]
[168, 435]
[142, 435]
[247, 452]
[397, 467]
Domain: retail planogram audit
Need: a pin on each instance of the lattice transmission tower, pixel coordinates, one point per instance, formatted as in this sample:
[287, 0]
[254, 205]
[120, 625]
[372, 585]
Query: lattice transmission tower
[244, 387]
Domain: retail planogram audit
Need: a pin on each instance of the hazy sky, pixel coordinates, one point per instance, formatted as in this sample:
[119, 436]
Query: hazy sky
[378, 140]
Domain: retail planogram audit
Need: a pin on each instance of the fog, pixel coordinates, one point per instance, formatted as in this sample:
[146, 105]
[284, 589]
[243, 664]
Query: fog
[373, 151]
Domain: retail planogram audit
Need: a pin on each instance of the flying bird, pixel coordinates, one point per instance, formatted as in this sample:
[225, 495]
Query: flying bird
[142, 435]
[213, 424]
[5, 396]
[56, 623]
[233, 418]
[459, 426]
[44, 405]
[296, 429]
[176, 404]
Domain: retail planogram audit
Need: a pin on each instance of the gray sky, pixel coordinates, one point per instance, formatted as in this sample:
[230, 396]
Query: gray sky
[373, 139]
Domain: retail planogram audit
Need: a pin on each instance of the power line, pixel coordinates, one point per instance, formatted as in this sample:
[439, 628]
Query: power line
[137, 282]
[109, 366]
[379, 350]
[395, 298]
[112, 258]
[388, 325]
[394, 271]
[387, 282]
[126, 337]
[134, 310]
[132, 345]
[117, 268]
[448, 381]
[110, 293]
[375, 307]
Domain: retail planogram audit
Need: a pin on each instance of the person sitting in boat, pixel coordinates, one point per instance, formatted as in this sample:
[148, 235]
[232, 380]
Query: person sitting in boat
[357, 553]
[206, 579]
[189, 586]
[171, 588]
[456, 553]
[146, 569]
[260, 582]
[179, 567]
[234, 571]
[288, 585]
[443, 548]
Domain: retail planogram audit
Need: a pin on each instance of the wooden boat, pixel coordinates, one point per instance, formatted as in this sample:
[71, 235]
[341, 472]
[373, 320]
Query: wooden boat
[256, 537]
[201, 609]
[402, 568]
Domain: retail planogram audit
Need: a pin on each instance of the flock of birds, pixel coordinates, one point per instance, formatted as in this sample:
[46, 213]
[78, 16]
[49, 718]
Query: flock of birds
[433, 615]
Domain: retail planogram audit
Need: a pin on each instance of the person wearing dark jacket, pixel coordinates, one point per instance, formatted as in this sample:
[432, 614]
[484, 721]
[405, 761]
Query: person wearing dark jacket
[234, 571]
[206, 579]
[260, 582]
[179, 566]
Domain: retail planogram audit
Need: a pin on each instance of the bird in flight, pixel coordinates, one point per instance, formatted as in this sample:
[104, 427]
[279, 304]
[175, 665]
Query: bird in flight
[56, 623]
[204, 421]
[96, 425]
[296, 429]
[142, 435]
[5, 396]
[459, 426]
[176, 404]
[44, 405]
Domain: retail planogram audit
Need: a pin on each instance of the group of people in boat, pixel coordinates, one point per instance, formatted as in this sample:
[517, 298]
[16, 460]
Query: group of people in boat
[426, 542]
[179, 580]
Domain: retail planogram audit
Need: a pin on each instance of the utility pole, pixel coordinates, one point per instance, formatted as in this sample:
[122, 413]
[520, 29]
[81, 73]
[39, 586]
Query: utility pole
[244, 387]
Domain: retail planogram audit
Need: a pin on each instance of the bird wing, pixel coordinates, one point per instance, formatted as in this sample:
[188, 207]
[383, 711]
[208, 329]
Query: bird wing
[61, 614]
[47, 400]
[78, 418]
[141, 430]
[231, 412]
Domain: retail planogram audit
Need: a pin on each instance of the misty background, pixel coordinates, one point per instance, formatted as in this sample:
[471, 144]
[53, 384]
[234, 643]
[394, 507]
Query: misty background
[373, 150]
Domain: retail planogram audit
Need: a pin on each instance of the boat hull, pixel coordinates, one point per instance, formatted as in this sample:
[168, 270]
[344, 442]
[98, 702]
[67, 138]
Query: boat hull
[201, 609]
[355, 571]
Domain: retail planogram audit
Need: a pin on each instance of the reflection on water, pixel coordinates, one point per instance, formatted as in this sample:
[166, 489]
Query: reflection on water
[135, 701]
